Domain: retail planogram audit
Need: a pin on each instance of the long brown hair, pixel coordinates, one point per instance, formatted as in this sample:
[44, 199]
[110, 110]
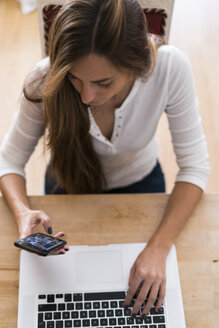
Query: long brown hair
[115, 29]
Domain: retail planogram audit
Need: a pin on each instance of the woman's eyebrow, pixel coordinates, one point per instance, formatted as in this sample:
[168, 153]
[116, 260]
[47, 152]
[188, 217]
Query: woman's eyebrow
[97, 81]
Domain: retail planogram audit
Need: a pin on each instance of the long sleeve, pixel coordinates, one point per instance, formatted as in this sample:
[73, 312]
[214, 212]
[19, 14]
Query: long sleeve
[22, 137]
[185, 123]
[27, 126]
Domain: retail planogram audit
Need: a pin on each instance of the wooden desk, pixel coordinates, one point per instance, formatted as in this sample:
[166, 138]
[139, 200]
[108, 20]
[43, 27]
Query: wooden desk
[104, 219]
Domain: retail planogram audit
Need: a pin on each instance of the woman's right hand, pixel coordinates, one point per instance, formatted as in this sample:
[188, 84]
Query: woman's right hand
[29, 219]
[13, 187]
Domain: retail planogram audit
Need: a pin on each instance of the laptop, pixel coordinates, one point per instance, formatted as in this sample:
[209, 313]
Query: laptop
[86, 287]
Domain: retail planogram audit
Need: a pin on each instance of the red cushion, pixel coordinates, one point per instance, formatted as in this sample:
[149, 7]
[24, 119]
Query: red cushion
[156, 19]
[49, 13]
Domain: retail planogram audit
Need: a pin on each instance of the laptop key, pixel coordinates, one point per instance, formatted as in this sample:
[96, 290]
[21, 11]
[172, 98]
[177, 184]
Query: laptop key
[46, 307]
[61, 306]
[86, 322]
[48, 316]
[121, 304]
[41, 297]
[50, 298]
[152, 311]
[153, 326]
[70, 306]
[77, 297]
[65, 315]
[92, 314]
[147, 319]
[77, 323]
[95, 322]
[68, 323]
[127, 312]
[160, 311]
[130, 321]
[118, 313]
[109, 313]
[103, 322]
[87, 306]
[74, 314]
[161, 326]
[83, 314]
[41, 325]
[121, 321]
[113, 304]
[101, 313]
[50, 324]
[40, 317]
[104, 296]
[138, 320]
[68, 297]
[105, 305]
[59, 324]
[96, 305]
[112, 321]
[158, 319]
[57, 315]
[79, 306]
[132, 303]
[59, 295]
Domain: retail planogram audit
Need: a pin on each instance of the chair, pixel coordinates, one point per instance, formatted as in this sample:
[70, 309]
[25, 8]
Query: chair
[157, 12]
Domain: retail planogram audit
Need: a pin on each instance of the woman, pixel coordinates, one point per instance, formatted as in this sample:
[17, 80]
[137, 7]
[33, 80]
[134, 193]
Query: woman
[98, 99]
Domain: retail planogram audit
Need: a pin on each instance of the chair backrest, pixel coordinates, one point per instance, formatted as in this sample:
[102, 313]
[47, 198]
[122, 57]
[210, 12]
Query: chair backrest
[157, 12]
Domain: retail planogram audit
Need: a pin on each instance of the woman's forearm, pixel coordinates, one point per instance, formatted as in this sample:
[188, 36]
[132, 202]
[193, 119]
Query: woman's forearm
[182, 201]
[13, 188]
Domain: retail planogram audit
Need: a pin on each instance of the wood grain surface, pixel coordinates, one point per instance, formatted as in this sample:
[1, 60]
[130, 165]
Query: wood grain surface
[103, 219]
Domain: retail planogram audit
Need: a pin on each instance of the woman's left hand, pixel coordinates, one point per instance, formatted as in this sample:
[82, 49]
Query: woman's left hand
[147, 277]
[62, 250]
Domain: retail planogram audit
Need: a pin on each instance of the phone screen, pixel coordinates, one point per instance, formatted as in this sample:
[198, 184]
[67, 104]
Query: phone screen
[41, 243]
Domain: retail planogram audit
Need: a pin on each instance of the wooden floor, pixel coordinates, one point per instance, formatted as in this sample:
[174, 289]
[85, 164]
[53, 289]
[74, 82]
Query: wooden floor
[194, 30]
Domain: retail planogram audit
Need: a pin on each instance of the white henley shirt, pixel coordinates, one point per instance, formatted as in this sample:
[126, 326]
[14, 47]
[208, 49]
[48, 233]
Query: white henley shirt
[132, 151]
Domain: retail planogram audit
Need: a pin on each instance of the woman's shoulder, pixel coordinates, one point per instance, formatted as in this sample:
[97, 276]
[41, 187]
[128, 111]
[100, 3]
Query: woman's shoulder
[41, 68]
[36, 77]
[171, 57]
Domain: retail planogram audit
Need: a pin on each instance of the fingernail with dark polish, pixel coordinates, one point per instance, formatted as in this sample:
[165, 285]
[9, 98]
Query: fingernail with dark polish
[133, 315]
[143, 316]
[62, 235]
[49, 230]
[66, 249]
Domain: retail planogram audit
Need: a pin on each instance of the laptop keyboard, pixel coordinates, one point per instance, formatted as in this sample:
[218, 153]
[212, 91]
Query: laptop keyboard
[103, 309]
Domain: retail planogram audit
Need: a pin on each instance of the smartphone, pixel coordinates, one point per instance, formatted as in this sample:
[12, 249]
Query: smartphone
[40, 243]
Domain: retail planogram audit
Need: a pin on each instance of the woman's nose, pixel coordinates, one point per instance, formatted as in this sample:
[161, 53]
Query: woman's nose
[87, 94]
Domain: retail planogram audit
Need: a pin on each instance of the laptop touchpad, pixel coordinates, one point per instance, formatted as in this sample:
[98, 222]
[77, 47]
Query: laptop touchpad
[99, 267]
